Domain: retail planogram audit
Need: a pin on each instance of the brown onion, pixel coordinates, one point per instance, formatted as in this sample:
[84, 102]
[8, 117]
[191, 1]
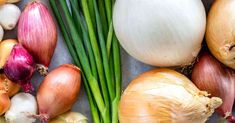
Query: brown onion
[4, 103]
[37, 33]
[59, 91]
[7, 86]
[211, 76]
[220, 31]
[165, 96]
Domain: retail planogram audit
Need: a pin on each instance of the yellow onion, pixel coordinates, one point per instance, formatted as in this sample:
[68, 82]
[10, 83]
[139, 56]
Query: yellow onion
[59, 91]
[7, 86]
[69, 117]
[165, 96]
[220, 31]
[6, 47]
[37, 33]
[4, 103]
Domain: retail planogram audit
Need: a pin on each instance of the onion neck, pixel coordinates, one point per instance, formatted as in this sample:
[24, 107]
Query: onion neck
[43, 70]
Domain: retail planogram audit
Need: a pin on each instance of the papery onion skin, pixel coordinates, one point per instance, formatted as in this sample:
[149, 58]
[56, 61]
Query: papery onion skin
[20, 67]
[4, 103]
[220, 31]
[6, 47]
[165, 96]
[58, 91]
[211, 76]
[37, 33]
[160, 33]
[69, 117]
[7, 86]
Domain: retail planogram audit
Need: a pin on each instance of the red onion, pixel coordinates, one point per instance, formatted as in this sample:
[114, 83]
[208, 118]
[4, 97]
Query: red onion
[20, 67]
[59, 91]
[37, 33]
[212, 76]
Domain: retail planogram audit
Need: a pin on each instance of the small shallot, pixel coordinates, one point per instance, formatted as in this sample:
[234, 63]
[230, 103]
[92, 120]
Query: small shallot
[59, 91]
[20, 67]
[37, 33]
[6, 47]
[4, 103]
[7, 86]
[212, 76]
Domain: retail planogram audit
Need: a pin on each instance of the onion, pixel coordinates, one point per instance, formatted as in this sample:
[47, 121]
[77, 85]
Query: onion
[220, 31]
[70, 117]
[6, 47]
[2, 119]
[160, 33]
[59, 91]
[4, 103]
[165, 96]
[211, 76]
[12, 1]
[37, 33]
[9, 15]
[1, 33]
[2, 2]
[23, 105]
[20, 67]
[7, 86]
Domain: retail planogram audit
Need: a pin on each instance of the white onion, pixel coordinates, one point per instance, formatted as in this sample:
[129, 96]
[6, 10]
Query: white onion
[9, 16]
[22, 106]
[160, 33]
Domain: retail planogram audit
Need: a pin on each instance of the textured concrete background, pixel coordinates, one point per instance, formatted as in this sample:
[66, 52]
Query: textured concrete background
[131, 68]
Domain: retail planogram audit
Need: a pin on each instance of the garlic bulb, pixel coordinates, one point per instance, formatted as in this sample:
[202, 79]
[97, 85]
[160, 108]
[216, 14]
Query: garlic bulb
[165, 96]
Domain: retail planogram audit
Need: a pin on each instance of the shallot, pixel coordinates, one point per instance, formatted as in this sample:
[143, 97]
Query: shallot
[6, 47]
[58, 91]
[212, 76]
[20, 67]
[37, 33]
[23, 106]
[7, 86]
[4, 103]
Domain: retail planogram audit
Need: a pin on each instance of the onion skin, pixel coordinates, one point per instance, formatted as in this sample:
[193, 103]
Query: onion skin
[220, 31]
[4, 103]
[6, 47]
[211, 76]
[165, 96]
[7, 86]
[58, 91]
[37, 33]
[20, 67]
[160, 33]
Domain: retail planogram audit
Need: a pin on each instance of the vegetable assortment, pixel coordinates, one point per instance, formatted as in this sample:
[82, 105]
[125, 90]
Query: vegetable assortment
[160, 33]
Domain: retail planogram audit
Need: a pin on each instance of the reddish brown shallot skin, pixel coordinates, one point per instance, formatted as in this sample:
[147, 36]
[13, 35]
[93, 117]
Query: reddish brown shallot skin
[58, 91]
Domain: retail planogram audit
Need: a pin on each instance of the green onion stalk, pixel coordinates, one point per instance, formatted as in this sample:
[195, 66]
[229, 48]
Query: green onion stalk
[88, 32]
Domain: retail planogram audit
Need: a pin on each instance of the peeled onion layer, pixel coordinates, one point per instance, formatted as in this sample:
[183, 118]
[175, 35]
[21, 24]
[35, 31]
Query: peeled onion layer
[220, 31]
[69, 117]
[160, 33]
[7, 86]
[58, 91]
[6, 47]
[165, 96]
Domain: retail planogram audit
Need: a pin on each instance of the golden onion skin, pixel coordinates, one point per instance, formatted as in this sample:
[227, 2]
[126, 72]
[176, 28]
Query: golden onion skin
[165, 96]
[220, 32]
